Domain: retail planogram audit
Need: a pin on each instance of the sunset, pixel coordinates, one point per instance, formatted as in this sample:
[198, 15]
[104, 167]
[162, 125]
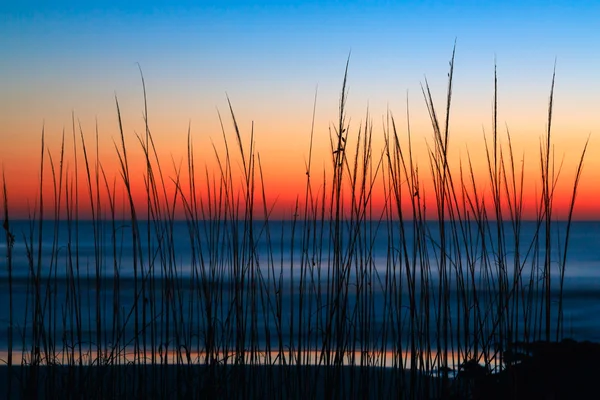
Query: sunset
[272, 59]
[324, 159]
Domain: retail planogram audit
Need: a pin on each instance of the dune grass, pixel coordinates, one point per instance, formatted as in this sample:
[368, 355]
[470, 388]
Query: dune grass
[453, 285]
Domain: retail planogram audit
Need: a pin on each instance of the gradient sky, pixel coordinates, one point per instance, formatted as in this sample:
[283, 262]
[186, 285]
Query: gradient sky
[269, 57]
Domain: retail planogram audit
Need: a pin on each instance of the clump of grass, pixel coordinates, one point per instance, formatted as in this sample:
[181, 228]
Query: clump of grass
[343, 300]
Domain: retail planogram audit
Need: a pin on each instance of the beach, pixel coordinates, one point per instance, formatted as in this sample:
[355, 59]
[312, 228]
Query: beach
[198, 381]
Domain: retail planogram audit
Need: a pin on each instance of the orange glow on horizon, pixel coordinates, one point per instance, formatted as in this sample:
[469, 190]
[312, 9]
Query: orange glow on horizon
[280, 165]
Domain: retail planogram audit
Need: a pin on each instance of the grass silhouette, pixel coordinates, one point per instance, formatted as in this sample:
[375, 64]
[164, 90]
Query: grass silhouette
[435, 315]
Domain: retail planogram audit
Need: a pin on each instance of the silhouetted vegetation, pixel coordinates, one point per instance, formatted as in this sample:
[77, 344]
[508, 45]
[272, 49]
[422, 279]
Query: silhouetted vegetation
[461, 302]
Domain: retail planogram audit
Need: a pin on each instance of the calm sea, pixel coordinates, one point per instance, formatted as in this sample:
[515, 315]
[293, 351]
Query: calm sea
[280, 280]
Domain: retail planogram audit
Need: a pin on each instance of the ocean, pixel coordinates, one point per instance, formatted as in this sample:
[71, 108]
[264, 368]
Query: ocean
[309, 289]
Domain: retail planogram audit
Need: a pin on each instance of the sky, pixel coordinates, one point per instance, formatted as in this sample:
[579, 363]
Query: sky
[271, 59]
